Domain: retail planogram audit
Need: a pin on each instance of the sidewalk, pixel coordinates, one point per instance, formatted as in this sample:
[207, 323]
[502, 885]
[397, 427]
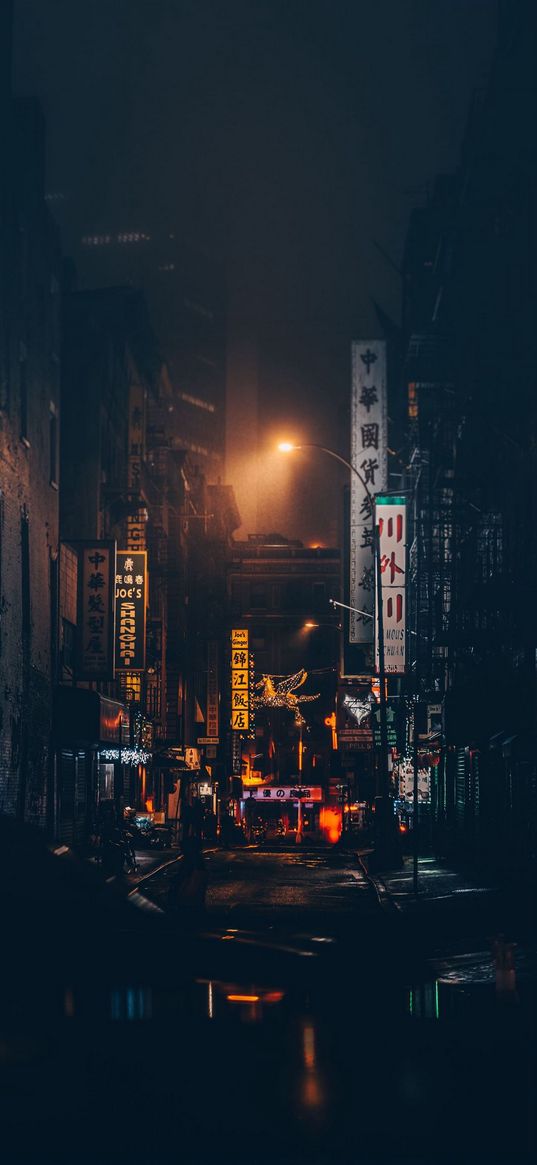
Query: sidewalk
[437, 883]
[147, 861]
[453, 907]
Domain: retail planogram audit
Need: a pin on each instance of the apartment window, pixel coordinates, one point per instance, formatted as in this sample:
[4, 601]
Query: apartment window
[318, 594]
[53, 446]
[25, 573]
[294, 594]
[258, 595]
[276, 595]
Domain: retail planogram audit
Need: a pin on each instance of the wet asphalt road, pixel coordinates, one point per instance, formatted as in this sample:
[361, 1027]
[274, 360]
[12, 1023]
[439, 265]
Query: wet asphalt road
[284, 1027]
[288, 886]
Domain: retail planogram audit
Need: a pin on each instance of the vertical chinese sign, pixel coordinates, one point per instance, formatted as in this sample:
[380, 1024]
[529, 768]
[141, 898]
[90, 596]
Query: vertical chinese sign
[240, 695]
[212, 690]
[129, 676]
[136, 525]
[391, 520]
[240, 681]
[131, 606]
[95, 610]
[369, 455]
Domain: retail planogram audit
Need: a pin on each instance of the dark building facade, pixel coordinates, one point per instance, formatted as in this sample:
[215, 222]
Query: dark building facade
[185, 294]
[125, 480]
[470, 379]
[29, 464]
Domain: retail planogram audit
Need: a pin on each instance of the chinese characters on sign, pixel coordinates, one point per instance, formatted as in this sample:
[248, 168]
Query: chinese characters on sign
[406, 782]
[284, 793]
[391, 727]
[131, 605]
[212, 689]
[95, 615]
[240, 681]
[369, 456]
[391, 519]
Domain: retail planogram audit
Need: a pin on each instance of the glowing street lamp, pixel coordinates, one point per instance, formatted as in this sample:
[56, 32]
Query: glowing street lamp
[290, 447]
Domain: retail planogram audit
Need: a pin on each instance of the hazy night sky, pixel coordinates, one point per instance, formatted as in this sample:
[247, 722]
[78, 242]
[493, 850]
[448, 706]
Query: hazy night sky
[285, 138]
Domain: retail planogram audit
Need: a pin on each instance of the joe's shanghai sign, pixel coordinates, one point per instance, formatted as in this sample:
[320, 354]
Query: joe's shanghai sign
[131, 606]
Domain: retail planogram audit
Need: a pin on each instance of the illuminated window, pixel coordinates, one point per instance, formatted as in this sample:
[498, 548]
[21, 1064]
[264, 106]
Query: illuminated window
[412, 400]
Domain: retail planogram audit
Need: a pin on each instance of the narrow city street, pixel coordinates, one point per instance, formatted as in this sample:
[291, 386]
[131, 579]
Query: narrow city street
[268, 549]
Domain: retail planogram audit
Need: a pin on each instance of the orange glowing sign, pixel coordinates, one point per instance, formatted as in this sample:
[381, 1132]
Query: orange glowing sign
[330, 823]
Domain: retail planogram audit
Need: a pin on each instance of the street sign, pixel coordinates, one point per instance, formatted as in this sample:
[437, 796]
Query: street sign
[390, 726]
[208, 740]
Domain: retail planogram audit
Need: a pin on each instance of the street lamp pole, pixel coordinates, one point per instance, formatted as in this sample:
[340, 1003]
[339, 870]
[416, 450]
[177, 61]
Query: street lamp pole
[288, 447]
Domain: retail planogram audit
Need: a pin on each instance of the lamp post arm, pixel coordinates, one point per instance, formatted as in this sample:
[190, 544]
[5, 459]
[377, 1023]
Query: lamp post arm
[336, 603]
[342, 461]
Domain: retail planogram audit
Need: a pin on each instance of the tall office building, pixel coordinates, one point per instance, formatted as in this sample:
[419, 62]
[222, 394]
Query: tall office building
[185, 293]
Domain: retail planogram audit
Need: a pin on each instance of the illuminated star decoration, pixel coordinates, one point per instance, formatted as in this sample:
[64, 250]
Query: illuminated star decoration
[282, 694]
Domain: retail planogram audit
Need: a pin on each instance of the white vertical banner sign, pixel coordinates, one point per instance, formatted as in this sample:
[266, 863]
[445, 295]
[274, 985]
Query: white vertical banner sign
[391, 520]
[369, 455]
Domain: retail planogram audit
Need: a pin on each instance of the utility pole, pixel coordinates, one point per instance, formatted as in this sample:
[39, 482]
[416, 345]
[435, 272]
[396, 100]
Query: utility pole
[299, 835]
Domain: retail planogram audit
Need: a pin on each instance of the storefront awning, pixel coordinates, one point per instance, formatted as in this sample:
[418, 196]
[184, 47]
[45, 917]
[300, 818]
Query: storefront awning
[85, 719]
[173, 758]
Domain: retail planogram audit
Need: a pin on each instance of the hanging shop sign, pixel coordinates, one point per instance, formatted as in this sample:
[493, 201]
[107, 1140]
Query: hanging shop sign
[355, 739]
[391, 520]
[369, 455]
[240, 681]
[236, 754]
[280, 793]
[213, 694]
[391, 727]
[406, 782]
[136, 521]
[95, 610]
[131, 607]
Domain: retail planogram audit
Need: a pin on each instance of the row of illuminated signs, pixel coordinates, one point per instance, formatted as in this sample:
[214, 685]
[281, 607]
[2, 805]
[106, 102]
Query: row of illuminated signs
[112, 600]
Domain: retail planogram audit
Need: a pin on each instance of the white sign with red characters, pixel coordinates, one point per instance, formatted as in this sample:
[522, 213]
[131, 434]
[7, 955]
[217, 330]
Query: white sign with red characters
[369, 456]
[391, 521]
